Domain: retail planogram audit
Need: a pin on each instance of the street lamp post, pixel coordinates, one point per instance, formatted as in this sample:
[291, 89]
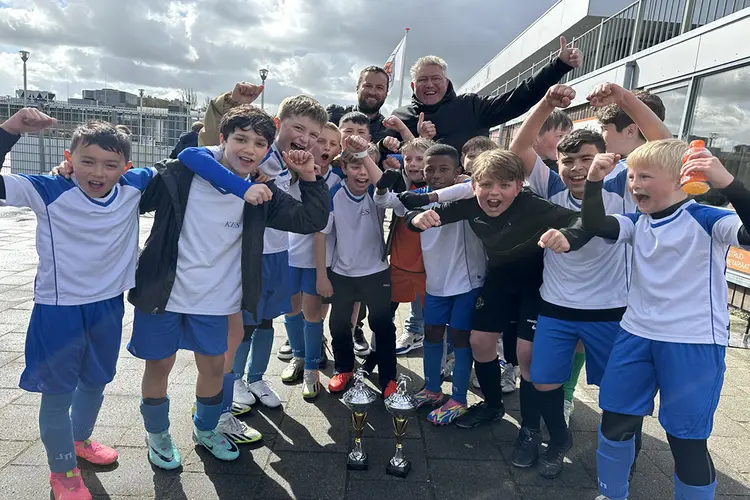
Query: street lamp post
[263, 75]
[24, 57]
[140, 117]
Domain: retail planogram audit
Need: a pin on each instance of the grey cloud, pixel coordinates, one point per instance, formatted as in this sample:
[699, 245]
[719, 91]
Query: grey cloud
[317, 50]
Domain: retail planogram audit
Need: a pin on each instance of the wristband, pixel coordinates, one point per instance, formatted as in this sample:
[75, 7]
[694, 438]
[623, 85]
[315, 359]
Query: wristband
[360, 155]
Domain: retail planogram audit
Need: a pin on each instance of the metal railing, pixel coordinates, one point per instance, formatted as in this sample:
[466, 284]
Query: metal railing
[637, 27]
[154, 132]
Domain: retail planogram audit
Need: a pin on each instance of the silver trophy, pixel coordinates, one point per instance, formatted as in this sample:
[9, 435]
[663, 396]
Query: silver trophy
[358, 399]
[401, 405]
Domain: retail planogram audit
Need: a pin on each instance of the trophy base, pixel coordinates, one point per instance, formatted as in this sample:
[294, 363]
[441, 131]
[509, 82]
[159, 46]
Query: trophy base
[357, 463]
[400, 469]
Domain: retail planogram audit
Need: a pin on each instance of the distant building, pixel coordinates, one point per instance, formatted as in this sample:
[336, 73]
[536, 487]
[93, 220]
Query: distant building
[36, 95]
[109, 97]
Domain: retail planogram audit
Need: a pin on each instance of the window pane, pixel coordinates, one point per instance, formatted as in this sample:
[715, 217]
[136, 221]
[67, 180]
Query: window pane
[721, 119]
[674, 103]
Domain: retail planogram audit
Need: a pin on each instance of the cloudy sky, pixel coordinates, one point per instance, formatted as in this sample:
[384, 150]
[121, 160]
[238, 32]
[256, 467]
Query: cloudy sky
[310, 46]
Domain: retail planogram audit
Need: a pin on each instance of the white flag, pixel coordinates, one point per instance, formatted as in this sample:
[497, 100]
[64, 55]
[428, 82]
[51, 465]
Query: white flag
[395, 62]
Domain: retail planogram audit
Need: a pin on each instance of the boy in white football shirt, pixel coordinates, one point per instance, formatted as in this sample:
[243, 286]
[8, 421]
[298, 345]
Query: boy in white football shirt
[304, 324]
[674, 334]
[455, 265]
[74, 335]
[358, 271]
[583, 293]
[202, 263]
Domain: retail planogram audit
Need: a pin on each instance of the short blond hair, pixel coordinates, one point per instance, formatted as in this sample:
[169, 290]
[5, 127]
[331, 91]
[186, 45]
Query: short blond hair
[347, 156]
[418, 143]
[498, 165]
[666, 154]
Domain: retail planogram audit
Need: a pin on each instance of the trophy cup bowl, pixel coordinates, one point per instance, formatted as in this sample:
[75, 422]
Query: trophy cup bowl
[358, 399]
[401, 405]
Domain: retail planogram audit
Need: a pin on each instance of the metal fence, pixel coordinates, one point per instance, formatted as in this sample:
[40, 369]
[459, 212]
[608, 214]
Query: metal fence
[155, 131]
[637, 27]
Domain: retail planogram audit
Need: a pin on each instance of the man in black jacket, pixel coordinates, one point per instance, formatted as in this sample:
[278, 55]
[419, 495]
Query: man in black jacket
[187, 140]
[372, 89]
[458, 118]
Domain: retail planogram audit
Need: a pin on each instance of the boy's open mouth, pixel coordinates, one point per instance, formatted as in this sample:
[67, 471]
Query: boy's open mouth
[297, 147]
[96, 186]
[246, 161]
[494, 203]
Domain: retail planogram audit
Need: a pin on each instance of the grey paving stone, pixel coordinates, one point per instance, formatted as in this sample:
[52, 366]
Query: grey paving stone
[464, 479]
[198, 485]
[132, 475]
[13, 341]
[556, 492]
[25, 483]
[313, 434]
[9, 450]
[304, 476]
[462, 444]
[374, 490]
[20, 422]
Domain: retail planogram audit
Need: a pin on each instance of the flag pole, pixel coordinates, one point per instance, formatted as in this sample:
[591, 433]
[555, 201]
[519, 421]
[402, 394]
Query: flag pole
[403, 66]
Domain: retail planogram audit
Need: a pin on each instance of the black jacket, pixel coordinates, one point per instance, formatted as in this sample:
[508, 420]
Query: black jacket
[458, 118]
[187, 140]
[377, 130]
[513, 256]
[167, 195]
[7, 141]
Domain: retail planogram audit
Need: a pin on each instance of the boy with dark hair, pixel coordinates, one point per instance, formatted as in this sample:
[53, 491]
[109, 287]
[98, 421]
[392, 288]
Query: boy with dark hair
[358, 271]
[298, 124]
[620, 132]
[583, 293]
[354, 123]
[508, 219]
[557, 125]
[455, 265]
[473, 148]
[187, 281]
[74, 335]
[678, 348]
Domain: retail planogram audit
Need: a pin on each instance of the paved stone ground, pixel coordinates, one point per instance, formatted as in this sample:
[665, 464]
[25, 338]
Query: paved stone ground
[303, 452]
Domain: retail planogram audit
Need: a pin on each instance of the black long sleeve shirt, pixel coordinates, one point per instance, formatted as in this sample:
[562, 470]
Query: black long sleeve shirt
[511, 239]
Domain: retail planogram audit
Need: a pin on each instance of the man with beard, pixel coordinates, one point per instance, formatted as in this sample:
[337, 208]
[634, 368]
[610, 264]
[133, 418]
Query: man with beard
[458, 118]
[372, 89]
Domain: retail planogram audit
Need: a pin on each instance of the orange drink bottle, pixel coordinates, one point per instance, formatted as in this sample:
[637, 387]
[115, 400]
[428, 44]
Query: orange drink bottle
[696, 182]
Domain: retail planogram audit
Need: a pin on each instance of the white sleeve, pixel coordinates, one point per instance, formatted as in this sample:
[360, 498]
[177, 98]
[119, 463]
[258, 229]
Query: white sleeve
[462, 191]
[726, 229]
[26, 191]
[627, 227]
[329, 226]
[539, 178]
[389, 200]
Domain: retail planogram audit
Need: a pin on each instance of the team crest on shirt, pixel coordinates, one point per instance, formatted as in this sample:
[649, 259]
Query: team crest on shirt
[365, 212]
[480, 302]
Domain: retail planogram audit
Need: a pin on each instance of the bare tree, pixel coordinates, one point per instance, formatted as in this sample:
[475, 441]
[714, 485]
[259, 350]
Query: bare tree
[189, 97]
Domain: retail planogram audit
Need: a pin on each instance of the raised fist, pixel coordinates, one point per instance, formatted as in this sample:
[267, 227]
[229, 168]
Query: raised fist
[246, 93]
[605, 94]
[560, 96]
[27, 120]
